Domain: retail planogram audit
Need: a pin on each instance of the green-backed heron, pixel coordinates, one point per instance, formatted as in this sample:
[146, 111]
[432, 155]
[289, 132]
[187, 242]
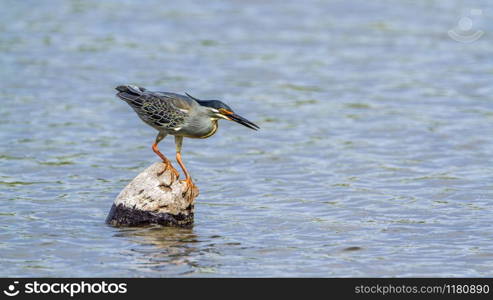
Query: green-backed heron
[178, 115]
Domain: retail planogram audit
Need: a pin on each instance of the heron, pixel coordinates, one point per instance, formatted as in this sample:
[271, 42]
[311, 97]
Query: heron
[180, 116]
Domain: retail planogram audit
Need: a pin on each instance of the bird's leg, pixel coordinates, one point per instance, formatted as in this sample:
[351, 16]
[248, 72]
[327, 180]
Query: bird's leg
[188, 179]
[166, 161]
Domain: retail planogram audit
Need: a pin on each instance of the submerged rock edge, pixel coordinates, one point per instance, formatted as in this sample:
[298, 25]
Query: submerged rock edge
[121, 215]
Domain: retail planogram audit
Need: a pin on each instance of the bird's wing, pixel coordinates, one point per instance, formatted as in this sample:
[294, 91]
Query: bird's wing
[165, 109]
[177, 100]
[161, 109]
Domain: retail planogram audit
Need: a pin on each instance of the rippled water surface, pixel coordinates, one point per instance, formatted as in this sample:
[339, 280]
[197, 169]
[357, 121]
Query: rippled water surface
[374, 156]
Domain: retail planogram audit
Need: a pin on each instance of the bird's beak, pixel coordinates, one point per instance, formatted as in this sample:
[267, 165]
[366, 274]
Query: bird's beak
[238, 119]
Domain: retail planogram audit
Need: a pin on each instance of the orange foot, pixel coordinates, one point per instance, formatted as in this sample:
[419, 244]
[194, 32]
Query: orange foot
[171, 168]
[190, 186]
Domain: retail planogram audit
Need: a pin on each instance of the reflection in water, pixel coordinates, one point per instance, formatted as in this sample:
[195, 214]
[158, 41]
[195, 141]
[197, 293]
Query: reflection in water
[156, 248]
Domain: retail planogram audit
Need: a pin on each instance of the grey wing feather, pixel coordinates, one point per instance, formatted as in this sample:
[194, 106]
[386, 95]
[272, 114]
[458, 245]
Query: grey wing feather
[158, 109]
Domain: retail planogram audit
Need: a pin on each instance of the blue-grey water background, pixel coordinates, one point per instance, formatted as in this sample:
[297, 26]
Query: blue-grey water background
[374, 156]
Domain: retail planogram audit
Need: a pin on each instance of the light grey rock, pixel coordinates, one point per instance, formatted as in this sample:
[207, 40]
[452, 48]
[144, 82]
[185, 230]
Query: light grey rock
[155, 196]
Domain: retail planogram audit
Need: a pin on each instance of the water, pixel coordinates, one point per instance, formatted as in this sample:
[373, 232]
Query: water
[374, 156]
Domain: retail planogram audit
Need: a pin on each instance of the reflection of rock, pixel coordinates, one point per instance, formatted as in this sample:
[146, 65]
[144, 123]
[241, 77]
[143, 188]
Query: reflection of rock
[155, 196]
[162, 247]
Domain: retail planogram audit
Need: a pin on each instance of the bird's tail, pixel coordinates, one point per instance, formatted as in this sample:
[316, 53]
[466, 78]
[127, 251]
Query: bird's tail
[131, 94]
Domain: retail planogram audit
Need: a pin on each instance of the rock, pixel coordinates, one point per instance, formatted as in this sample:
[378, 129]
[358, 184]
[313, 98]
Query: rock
[155, 196]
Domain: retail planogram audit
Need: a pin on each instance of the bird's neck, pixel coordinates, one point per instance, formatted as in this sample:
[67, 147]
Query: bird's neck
[212, 131]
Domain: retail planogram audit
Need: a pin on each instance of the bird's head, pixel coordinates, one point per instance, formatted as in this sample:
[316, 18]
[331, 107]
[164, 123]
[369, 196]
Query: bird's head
[220, 110]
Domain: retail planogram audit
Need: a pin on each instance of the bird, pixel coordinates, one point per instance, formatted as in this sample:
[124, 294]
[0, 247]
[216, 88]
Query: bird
[178, 115]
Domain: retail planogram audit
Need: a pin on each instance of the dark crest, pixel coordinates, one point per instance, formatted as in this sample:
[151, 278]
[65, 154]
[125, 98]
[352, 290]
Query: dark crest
[217, 104]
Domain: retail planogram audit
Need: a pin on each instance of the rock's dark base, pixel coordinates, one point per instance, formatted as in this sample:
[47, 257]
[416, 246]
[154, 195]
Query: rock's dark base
[124, 216]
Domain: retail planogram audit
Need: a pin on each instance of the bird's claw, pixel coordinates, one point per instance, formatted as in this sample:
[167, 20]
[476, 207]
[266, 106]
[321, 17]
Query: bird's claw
[190, 186]
[169, 166]
[177, 175]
